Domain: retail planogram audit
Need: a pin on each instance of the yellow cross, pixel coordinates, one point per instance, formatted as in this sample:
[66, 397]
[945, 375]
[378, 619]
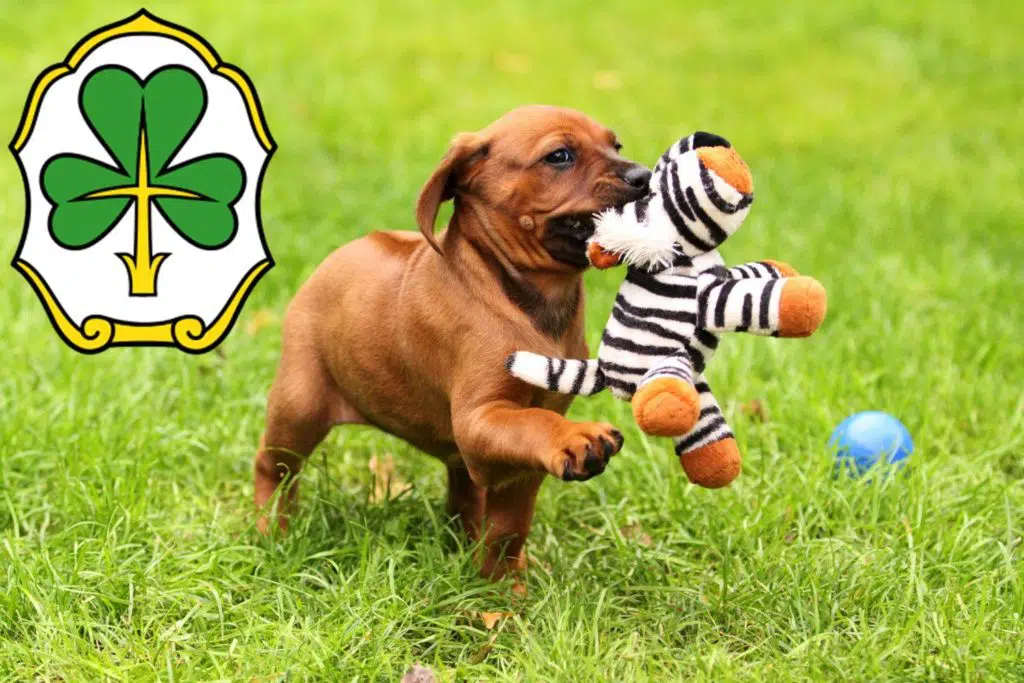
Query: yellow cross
[143, 265]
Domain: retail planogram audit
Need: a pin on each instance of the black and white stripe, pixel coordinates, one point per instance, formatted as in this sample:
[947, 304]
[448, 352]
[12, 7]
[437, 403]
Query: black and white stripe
[677, 366]
[711, 425]
[704, 213]
[740, 305]
[754, 269]
[688, 144]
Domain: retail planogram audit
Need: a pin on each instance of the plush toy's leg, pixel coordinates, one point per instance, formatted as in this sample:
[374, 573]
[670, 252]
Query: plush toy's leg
[708, 453]
[763, 269]
[785, 307]
[666, 402]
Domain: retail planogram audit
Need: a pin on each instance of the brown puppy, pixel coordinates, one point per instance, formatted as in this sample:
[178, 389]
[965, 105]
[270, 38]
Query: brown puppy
[410, 334]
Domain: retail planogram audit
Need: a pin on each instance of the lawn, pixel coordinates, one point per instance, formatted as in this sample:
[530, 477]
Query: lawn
[885, 139]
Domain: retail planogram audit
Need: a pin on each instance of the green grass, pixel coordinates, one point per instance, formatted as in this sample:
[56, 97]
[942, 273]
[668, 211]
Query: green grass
[886, 142]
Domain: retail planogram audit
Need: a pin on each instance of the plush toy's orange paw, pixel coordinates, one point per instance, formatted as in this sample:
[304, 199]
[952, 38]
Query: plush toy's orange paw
[802, 306]
[714, 465]
[666, 406]
[601, 259]
[785, 270]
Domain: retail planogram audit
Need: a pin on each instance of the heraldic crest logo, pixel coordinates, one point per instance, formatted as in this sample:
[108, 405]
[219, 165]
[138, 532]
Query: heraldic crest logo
[143, 157]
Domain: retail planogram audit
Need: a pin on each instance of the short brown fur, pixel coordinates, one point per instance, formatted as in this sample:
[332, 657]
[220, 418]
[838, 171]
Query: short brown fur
[409, 332]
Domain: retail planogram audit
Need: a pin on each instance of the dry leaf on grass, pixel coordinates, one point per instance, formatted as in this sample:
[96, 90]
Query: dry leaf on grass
[385, 483]
[260, 320]
[635, 531]
[532, 560]
[418, 673]
[755, 410]
[491, 619]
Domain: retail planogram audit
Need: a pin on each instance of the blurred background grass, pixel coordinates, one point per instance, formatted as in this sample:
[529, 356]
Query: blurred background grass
[885, 141]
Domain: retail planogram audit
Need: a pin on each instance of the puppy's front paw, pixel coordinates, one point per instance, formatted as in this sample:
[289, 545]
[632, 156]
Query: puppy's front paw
[584, 451]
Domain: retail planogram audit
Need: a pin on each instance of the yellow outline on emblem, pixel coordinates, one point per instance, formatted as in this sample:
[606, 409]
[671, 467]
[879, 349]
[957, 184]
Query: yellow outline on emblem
[98, 332]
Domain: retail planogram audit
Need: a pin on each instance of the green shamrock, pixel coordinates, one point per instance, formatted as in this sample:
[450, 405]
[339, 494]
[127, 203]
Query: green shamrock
[143, 124]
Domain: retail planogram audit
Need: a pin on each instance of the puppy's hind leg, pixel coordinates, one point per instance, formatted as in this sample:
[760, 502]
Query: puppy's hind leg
[466, 500]
[507, 520]
[301, 408]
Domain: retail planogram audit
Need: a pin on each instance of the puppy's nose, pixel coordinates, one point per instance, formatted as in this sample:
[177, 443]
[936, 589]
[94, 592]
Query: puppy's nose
[636, 175]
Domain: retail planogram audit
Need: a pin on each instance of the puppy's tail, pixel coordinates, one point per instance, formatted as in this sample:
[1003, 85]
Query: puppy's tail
[566, 376]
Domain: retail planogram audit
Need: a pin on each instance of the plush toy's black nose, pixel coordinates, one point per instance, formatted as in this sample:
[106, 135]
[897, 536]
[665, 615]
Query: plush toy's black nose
[704, 139]
[636, 175]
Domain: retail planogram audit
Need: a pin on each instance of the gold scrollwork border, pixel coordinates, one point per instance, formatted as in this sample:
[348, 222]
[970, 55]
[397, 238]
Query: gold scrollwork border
[97, 332]
[188, 332]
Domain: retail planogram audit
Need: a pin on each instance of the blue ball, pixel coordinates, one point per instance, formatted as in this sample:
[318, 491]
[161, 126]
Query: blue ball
[863, 439]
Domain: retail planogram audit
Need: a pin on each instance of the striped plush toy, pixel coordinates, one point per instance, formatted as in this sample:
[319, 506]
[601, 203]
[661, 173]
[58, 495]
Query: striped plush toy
[677, 299]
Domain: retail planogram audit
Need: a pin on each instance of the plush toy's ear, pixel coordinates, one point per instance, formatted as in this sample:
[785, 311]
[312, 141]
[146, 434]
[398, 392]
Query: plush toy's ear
[441, 185]
[729, 166]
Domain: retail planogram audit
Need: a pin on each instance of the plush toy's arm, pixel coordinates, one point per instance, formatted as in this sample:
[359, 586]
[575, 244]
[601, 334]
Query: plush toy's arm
[784, 307]
[762, 269]
[564, 375]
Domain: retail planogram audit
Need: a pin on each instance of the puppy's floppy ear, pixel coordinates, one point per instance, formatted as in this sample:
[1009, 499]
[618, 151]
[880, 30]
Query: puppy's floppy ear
[441, 185]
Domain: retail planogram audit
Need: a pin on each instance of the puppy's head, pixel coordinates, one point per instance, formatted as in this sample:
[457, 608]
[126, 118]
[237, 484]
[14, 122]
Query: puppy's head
[537, 176]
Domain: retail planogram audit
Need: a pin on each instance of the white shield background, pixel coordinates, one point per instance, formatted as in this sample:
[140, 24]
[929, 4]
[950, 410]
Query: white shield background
[94, 281]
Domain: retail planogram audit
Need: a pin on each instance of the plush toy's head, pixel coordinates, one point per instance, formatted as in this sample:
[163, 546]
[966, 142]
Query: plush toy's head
[701, 191]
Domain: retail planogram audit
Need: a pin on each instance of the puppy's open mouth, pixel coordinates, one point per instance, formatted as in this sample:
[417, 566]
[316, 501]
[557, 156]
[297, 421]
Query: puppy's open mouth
[566, 238]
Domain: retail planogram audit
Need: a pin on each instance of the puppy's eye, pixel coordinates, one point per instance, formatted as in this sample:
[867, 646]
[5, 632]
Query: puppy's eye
[560, 157]
[618, 146]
